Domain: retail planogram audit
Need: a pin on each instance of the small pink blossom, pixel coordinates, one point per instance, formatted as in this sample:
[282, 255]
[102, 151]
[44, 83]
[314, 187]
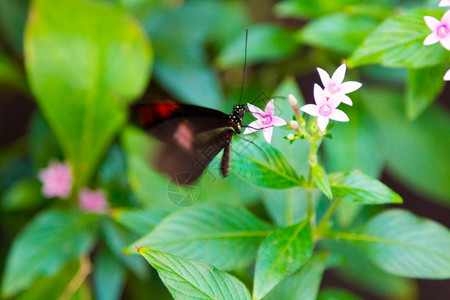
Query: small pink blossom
[335, 87]
[324, 109]
[447, 76]
[440, 30]
[93, 200]
[444, 3]
[56, 179]
[265, 120]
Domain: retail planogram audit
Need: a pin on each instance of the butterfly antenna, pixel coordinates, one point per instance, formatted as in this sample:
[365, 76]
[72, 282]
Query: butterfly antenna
[245, 65]
[265, 155]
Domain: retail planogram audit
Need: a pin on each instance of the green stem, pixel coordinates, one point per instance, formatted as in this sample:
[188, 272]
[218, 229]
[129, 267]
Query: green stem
[330, 211]
[289, 209]
[311, 212]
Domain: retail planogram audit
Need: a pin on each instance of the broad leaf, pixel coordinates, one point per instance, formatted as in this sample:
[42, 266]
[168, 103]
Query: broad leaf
[137, 220]
[358, 187]
[282, 253]
[82, 70]
[311, 9]
[406, 245]
[424, 85]
[304, 284]
[13, 14]
[24, 194]
[50, 241]
[250, 163]
[226, 236]
[189, 279]
[108, 276]
[320, 178]
[398, 42]
[336, 294]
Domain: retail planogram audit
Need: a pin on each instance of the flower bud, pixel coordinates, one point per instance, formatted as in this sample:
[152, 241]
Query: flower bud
[290, 136]
[294, 125]
[293, 103]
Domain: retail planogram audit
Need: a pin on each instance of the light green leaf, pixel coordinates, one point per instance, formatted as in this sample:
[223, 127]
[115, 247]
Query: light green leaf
[402, 142]
[266, 42]
[405, 245]
[251, 164]
[282, 253]
[398, 42]
[83, 70]
[286, 207]
[304, 284]
[338, 32]
[189, 279]
[311, 9]
[358, 187]
[424, 85]
[336, 294]
[137, 220]
[288, 86]
[24, 194]
[320, 178]
[108, 276]
[226, 236]
[43, 248]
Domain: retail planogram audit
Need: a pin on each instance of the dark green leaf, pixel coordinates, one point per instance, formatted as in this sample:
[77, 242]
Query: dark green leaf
[189, 279]
[358, 187]
[51, 240]
[94, 64]
[13, 15]
[226, 236]
[24, 194]
[137, 220]
[398, 42]
[304, 284]
[108, 276]
[310, 9]
[424, 85]
[282, 253]
[336, 294]
[320, 178]
[10, 73]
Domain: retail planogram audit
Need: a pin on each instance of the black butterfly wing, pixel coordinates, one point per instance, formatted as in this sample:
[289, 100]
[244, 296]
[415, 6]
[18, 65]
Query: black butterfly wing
[192, 136]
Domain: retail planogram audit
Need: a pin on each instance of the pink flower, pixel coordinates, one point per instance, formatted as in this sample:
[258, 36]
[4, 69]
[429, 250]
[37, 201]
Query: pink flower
[440, 30]
[93, 201]
[56, 179]
[447, 76]
[444, 3]
[335, 87]
[324, 109]
[265, 120]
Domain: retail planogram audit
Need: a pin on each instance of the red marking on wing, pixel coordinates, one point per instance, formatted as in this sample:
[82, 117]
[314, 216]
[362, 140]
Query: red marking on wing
[154, 112]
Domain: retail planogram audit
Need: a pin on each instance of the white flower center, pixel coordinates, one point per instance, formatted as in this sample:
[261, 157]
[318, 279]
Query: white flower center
[333, 88]
[325, 110]
[267, 119]
[442, 31]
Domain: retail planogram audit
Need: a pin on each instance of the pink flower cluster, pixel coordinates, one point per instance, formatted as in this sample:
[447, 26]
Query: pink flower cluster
[57, 181]
[328, 98]
[440, 31]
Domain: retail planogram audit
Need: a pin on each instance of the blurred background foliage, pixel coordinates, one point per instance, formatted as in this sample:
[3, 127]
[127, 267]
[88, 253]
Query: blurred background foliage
[69, 69]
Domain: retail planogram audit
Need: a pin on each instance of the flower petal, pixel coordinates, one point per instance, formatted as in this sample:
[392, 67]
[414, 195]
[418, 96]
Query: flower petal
[338, 115]
[252, 127]
[322, 122]
[350, 86]
[346, 100]
[319, 95]
[446, 42]
[444, 3]
[277, 121]
[335, 101]
[324, 76]
[255, 111]
[432, 38]
[432, 23]
[310, 109]
[267, 132]
[447, 75]
[269, 108]
[446, 18]
[339, 74]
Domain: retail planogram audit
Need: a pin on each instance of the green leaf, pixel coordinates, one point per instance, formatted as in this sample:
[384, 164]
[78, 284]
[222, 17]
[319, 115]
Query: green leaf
[11, 74]
[82, 70]
[266, 42]
[405, 245]
[336, 294]
[24, 194]
[320, 178]
[251, 164]
[311, 9]
[402, 142]
[189, 279]
[108, 277]
[51, 240]
[13, 14]
[424, 85]
[226, 236]
[338, 32]
[358, 187]
[286, 207]
[288, 86]
[137, 220]
[398, 42]
[282, 253]
[304, 284]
